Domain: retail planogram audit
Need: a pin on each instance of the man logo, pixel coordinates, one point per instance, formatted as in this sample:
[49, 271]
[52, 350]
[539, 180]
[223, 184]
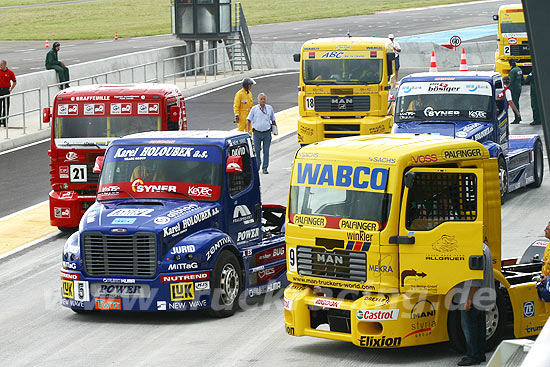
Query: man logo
[328, 259]
[182, 291]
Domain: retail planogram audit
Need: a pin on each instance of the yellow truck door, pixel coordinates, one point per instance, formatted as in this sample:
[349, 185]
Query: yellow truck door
[440, 229]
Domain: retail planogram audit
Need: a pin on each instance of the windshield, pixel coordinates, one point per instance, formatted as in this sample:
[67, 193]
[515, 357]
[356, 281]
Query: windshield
[340, 203]
[104, 126]
[175, 172]
[342, 71]
[511, 27]
[453, 101]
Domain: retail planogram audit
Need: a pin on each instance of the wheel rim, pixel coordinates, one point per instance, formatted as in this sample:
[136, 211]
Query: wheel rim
[229, 284]
[491, 321]
[503, 178]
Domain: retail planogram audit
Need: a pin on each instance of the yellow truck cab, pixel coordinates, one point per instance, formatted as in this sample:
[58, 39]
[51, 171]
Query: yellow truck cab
[380, 231]
[344, 87]
[512, 40]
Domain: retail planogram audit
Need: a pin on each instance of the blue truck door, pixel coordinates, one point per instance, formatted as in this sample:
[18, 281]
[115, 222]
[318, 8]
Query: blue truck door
[244, 210]
[501, 115]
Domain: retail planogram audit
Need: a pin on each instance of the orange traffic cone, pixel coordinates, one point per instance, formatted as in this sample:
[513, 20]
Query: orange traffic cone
[47, 43]
[433, 63]
[116, 36]
[463, 64]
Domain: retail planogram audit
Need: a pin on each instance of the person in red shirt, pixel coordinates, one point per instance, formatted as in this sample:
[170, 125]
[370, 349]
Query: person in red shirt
[7, 83]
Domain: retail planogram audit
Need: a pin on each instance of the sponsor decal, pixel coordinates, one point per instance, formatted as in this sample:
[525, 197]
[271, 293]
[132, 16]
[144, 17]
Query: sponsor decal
[94, 109]
[287, 304]
[382, 160]
[477, 114]
[121, 108]
[139, 186]
[425, 158]
[182, 291]
[161, 151]
[446, 243]
[117, 280]
[189, 305]
[67, 288]
[182, 211]
[91, 98]
[378, 315]
[267, 274]
[533, 329]
[72, 303]
[184, 277]
[64, 171]
[67, 109]
[182, 226]
[332, 54]
[68, 265]
[110, 190]
[200, 191]
[241, 213]
[357, 245]
[81, 291]
[120, 290]
[359, 225]
[212, 250]
[483, 133]
[430, 112]
[238, 151]
[62, 212]
[248, 235]
[131, 213]
[421, 329]
[407, 115]
[322, 282]
[108, 304]
[436, 257]
[148, 108]
[410, 273]
[71, 156]
[201, 286]
[379, 268]
[123, 221]
[182, 249]
[183, 266]
[69, 276]
[161, 220]
[359, 177]
[512, 41]
[262, 289]
[289, 330]
[270, 255]
[360, 236]
[462, 153]
[423, 309]
[374, 342]
[442, 87]
[310, 220]
[329, 259]
[161, 305]
[528, 309]
[376, 300]
[329, 303]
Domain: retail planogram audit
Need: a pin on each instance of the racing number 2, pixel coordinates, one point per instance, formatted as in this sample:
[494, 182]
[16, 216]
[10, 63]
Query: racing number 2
[507, 50]
[79, 173]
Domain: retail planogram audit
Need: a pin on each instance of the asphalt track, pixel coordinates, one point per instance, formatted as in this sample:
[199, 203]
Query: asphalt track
[28, 56]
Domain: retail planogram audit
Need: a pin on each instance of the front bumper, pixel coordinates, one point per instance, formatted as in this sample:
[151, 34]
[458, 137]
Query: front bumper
[375, 320]
[166, 292]
[68, 207]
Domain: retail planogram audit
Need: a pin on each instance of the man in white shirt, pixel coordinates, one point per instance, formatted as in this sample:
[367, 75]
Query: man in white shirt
[258, 124]
[397, 50]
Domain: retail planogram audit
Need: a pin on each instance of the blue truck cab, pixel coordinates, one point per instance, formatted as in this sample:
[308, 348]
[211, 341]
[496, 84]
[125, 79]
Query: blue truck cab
[469, 105]
[177, 225]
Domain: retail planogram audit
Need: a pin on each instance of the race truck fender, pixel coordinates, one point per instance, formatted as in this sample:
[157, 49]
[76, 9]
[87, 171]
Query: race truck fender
[523, 141]
[71, 253]
[494, 149]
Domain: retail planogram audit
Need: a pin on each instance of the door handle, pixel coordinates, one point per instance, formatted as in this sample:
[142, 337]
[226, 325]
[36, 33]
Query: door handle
[402, 240]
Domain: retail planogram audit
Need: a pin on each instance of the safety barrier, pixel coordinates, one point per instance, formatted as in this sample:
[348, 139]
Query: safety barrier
[25, 111]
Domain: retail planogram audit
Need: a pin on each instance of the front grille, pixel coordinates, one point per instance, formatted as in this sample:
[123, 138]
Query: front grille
[520, 50]
[342, 104]
[335, 135]
[86, 204]
[342, 127]
[337, 264]
[129, 255]
[86, 192]
[93, 178]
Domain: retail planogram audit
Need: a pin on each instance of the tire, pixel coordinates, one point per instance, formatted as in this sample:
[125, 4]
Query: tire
[502, 177]
[538, 165]
[82, 312]
[495, 320]
[68, 229]
[226, 285]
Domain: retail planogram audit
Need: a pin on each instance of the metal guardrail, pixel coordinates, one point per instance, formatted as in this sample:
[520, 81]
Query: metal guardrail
[24, 112]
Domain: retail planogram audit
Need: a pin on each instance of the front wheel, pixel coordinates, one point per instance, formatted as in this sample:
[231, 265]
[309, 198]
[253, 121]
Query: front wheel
[68, 229]
[502, 177]
[226, 285]
[538, 165]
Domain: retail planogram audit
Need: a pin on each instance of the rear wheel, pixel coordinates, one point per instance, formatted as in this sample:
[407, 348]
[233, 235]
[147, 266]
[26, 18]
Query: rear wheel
[226, 285]
[502, 177]
[495, 323]
[538, 165]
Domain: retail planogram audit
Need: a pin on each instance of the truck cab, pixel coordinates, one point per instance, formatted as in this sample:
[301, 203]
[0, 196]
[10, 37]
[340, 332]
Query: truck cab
[84, 120]
[344, 85]
[179, 217]
[469, 105]
[513, 43]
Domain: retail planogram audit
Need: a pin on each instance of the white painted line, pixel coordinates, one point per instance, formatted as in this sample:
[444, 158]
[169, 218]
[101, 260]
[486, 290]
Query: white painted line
[37, 68]
[22, 211]
[437, 6]
[25, 146]
[27, 245]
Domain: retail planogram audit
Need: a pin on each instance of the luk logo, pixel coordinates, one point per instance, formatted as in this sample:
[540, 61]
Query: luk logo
[68, 288]
[182, 291]
[529, 309]
[161, 305]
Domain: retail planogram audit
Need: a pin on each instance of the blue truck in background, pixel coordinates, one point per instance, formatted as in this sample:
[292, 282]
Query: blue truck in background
[177, 225]
[469, 105]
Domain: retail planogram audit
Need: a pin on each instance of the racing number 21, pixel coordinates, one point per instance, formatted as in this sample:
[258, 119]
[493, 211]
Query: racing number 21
[79, 173]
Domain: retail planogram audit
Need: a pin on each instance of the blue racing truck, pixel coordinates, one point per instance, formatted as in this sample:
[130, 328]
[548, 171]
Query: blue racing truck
[177, 225]
[469, 105]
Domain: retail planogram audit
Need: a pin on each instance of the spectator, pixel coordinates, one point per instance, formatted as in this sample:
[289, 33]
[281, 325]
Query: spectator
[546, 265]
[476, 297]
[259, 122]
[7, 83]
[508, 95]
[243, 103]
[534, 103]
[516, 80]
[397, 49]
[52, 62]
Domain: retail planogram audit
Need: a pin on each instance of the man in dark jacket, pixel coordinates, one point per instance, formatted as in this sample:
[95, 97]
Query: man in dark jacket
[516, 80]
[534, 101]
[52, 62]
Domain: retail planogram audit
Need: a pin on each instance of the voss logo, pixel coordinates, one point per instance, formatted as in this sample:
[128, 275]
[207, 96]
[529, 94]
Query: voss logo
[425, 158]
[200, 191]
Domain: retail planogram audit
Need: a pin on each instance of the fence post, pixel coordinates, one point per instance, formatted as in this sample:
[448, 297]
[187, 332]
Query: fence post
[24, 113]
[39, 109]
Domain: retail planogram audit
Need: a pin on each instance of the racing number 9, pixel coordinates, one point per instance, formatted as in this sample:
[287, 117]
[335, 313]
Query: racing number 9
[292, 266]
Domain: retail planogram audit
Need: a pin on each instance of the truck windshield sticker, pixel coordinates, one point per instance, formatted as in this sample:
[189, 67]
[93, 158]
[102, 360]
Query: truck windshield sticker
[148, 152]
[341, 176]
[336, 67]
[447, 87]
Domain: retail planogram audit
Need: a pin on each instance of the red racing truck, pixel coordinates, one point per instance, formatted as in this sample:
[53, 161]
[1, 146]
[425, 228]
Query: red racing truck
[84, 120]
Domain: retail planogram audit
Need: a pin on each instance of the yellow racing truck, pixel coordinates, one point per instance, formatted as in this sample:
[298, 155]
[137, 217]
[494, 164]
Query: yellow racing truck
[380, 231]
[512, 40]
[344, 87]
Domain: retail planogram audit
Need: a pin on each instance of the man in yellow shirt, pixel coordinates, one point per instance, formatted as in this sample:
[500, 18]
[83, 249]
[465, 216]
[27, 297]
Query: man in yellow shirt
[243, 103]
[546, 264]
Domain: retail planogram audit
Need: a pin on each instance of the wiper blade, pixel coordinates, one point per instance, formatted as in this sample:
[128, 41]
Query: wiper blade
[109, 191]
[179, 193]
[85, 144]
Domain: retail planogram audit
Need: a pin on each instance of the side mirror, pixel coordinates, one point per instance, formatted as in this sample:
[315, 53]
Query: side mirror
[46, 114]
[234, 164]
[296, 57]
[495, 17]
[174, 113]
[409, 179]
[98, 166]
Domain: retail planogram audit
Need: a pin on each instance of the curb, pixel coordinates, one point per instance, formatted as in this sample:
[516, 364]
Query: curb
[29, 246]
